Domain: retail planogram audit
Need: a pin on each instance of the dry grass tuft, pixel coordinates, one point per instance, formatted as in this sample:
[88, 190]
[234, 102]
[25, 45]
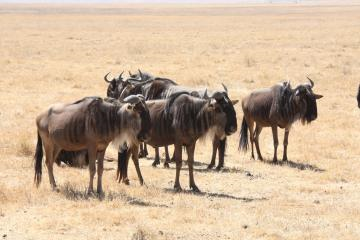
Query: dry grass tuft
[25, 148]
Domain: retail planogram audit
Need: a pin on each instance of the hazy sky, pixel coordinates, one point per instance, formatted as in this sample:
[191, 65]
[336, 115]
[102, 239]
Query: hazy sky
[179, 1]
[149, 1]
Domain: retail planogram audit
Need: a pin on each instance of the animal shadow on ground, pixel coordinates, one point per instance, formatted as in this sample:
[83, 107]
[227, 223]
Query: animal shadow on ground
[291, 164]
[217, 195]
[73, 193]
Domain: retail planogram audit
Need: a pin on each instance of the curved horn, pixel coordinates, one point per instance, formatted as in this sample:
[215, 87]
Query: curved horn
[133, 99]
[141, 75]
[205, 94]
[311, 82]
[225, 88]
[120, 76]
[105, 78]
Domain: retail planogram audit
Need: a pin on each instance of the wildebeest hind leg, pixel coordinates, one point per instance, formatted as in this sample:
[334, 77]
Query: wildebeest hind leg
[157, 157]
[286, 136]
[51, 154]
[251, 130]
[167, 157]
[100, 170]
[135, 159]
[190, 151]
[276, 142]
[92, 168]
[178, 159]
[257, 134]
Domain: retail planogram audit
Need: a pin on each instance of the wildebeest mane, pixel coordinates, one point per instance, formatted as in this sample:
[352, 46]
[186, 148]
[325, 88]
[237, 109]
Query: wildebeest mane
[192, 116]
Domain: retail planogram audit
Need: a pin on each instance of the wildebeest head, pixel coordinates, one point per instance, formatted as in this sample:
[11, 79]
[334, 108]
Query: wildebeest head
[225, 110]
[138, 105]
[116, 85]
[305, 98]
[358, 97]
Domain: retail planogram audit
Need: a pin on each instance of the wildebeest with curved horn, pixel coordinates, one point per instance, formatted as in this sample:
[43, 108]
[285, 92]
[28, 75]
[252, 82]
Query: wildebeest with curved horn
[183, 119]
[358, 97]
[90, 124]
[162, 88]
[278, 106]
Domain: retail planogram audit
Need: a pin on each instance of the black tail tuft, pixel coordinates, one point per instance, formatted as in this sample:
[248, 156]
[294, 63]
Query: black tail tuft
[244, 142]
[38, 161]
[122, 162]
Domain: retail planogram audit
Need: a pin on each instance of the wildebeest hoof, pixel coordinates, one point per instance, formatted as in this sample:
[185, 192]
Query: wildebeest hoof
[218, 168]
[194, 188]
[275, 160]
[126, 181]
[166, 165]
[142, 155]
[285, 159]
[56, 189]
[210, 166]
[100, 194]
[177, 188]
[154, 164]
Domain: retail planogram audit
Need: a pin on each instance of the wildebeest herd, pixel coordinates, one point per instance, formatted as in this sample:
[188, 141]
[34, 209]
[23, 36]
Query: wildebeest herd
[144, 109]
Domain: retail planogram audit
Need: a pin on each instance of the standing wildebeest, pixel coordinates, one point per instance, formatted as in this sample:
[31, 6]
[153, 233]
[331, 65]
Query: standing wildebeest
[358, 97]
[89, 124]
[181, 120]
[162, 88]
[278, 106]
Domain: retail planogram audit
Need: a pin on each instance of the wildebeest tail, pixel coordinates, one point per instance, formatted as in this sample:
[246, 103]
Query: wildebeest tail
[122, 162]
[38, 161]
[244, 141]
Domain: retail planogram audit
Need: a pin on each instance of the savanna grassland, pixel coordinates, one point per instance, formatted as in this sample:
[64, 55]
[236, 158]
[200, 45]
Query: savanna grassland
[60, 53]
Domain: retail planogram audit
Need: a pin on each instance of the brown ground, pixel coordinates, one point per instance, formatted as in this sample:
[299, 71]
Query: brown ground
[61, 54]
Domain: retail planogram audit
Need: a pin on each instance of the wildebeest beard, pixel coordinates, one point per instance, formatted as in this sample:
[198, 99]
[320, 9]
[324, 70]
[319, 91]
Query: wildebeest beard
[231, 121]
[311, 109]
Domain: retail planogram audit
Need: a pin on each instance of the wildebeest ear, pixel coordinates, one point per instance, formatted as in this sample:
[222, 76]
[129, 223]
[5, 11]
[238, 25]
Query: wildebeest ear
[233, 102]
[318, 96]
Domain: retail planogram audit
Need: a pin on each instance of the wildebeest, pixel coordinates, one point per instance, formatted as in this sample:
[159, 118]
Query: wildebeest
[161, 88]
[89, 124]
[358, 97]
[278, 106]
[183, 119]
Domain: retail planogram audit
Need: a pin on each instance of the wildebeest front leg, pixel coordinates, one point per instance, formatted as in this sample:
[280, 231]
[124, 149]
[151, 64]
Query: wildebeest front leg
[257, 134]
[100, 170]
[178, 159]
[190, 151]
[221, 147]
[286, 136]
[135, 158]
[157, 157]
[215, 145]
[276, 142]
[92, 168]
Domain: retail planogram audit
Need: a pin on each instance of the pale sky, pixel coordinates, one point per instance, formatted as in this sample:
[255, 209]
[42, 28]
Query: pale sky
[168, 1]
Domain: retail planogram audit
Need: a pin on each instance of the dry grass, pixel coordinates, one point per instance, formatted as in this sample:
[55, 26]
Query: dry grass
[50, 55]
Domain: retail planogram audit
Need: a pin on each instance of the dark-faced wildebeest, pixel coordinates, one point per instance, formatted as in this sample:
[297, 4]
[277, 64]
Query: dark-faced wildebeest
[181, 120]
[358, 97]
[278, 106]
[89, 124]
[162, 88]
